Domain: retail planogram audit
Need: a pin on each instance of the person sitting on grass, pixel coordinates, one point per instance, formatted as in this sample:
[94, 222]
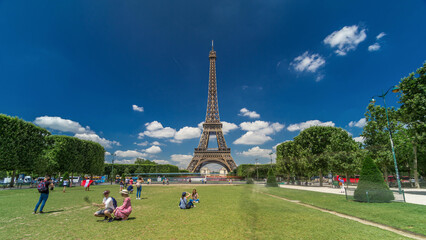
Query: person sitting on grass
[130, 188]
[108, 203]
[184, 203]
[194, 196]
[123, 212]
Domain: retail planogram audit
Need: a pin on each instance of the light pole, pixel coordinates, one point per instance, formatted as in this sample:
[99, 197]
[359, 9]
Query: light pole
[270, 155]
[257, 171]
[395, 89]
[112, 170]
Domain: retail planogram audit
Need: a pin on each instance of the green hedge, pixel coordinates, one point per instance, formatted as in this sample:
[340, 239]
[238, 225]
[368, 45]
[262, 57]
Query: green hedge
[371, 186]
[272, 180]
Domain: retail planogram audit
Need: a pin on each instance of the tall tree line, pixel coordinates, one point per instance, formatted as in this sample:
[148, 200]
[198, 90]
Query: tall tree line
[25, 147]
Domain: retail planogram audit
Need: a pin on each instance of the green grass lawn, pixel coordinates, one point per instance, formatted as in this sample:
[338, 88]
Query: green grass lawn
[406, 216]
[225, 212]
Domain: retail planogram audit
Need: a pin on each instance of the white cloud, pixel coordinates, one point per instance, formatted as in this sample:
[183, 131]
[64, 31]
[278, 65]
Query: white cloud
[156, 143]
[161, 161]
[307, 62]
[125, 161]
[95, 138]
[257, 132]
[156, 130]
[153, 150]
[252, 138]
[382, 34]
[142, 143]
[130, 154]
[187, 133]
[66, 125]
[303, 125]
[346, 39]
[361, 123]
[359, 139]
[374, 47]
[251, 114]
[258, 152]
[226, 127]
[60, 124]
[107, 153]
[182, 160]
[137, 108]
[262, 127]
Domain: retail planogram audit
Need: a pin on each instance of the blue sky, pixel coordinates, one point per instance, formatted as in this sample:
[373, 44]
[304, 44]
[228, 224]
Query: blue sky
[78, 67]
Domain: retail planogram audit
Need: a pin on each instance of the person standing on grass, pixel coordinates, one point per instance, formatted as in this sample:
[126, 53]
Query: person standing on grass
[123, 212]
[121, 185]
[131, 181]
[139, 187]
[108, 203]
[65, 183]
[342, 186]
[43, 189]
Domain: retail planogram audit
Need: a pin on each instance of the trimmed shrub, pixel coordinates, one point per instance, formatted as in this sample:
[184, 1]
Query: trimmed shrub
[249, 181]
[272, 180]
[371, 185]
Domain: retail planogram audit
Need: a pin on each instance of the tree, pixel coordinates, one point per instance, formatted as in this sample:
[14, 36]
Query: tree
[316, 144]
[290, 159]
[344, 153]
[371, 186]
[21, 145]
[272, 180]
[413, 111]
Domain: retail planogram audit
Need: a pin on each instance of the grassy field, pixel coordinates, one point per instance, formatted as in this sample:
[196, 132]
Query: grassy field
[225, 212]
[405, 216]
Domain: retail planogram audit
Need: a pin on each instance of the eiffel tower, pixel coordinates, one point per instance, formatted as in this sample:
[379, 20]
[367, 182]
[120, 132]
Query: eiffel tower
[204, 155]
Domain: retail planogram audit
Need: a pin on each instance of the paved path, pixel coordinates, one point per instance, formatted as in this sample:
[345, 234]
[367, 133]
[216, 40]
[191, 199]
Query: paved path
[416, 196]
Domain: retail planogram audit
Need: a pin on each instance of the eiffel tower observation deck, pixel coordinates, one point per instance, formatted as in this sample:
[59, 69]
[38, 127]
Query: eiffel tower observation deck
[212, 126]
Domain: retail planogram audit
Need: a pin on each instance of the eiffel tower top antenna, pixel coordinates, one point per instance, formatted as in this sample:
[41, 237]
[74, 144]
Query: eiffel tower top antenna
[212, 44]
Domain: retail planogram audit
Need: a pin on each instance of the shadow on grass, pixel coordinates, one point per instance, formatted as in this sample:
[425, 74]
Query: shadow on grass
[53, 211]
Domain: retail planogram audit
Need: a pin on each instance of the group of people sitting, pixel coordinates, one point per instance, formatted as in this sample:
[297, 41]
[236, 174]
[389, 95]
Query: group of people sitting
[110, 211]
[186, 203]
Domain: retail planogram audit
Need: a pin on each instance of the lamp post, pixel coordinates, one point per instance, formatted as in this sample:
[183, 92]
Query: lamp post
[270, 155]
[395, 89]
[257, 171]
[112, 170]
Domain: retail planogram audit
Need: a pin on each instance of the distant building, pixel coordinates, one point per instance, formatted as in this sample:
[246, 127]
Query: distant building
[205, 171]
[223, 171]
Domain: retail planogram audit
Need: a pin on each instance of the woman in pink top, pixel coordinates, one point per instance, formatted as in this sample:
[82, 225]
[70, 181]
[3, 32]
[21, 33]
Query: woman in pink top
[124, 210]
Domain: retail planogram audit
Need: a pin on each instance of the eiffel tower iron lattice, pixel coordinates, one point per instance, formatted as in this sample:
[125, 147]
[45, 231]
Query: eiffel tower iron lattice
[204, 155]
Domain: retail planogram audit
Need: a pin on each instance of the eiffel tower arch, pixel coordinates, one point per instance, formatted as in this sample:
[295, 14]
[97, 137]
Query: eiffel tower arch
[204, 155]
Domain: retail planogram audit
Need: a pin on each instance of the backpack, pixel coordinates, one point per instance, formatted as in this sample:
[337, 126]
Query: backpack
[114, 202]
[41, 187]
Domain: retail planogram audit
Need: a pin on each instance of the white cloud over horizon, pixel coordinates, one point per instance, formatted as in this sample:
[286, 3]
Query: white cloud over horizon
[60, 124]
[258, 152]
[304, 125]
[67, 125]
[130, 154]
[182, 160]
[346, 39]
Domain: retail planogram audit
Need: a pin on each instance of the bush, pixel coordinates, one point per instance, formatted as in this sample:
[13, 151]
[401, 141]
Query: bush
[371, 185]
[272, 180]
[250, 181]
